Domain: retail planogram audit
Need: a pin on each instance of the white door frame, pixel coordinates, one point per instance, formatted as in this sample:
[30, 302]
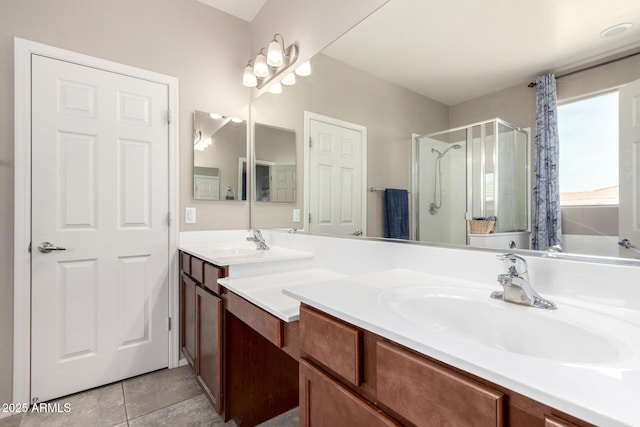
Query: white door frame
[23, 50]
[308, 116]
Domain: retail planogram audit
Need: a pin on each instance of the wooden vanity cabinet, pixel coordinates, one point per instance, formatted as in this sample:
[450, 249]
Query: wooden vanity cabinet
[444, 396]
[209, 312]
[188, 318]
[202, 321]
[261, 362]
[325, 402]
[347, 372]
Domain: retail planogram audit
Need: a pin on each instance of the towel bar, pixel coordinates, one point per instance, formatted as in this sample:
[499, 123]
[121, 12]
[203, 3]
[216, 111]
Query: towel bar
[372, 189]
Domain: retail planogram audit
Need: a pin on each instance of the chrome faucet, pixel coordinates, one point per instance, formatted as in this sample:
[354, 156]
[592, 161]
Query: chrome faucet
[258, 240]
[516, 285]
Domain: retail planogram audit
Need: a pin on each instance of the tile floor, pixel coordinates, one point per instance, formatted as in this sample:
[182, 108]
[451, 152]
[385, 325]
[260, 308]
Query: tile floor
[169, 397]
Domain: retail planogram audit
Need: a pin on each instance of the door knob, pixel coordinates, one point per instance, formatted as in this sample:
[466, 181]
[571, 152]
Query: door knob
[626, 243]
[357, 232]
[46, 247]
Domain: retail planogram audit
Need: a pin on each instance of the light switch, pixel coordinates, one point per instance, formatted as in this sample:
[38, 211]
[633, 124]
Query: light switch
[296, 215]
[190, 215]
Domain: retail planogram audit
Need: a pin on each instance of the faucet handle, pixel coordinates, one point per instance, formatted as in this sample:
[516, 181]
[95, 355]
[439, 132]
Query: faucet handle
[513, 263]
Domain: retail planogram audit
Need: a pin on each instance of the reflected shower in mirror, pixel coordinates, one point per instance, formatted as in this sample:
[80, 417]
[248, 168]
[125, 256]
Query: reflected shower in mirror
[219, 157]
[275, 164]
[473, 185]
[450, 86]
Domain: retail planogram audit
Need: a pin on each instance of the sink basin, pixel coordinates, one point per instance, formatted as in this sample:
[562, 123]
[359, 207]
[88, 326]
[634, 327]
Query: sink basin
[231, 252]
[569, 334]
[241, 254]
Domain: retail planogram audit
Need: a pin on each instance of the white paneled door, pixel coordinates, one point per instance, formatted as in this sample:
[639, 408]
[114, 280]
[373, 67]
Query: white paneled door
[629, 209]
[335, 178]
[100, 191]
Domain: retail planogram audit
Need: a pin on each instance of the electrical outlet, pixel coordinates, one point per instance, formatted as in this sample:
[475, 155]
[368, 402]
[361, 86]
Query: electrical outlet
[296, 215]
[190, 215]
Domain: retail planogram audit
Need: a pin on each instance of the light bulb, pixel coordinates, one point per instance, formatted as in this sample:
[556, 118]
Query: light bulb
[304, 69]
[248, 78]
[289, 79]
[236, 120]
[275, 55]
[276, 88]
[260, 67]
[216, 116]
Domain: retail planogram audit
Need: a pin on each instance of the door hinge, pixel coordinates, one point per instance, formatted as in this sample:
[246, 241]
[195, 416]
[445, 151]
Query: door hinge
[168, 117]
[29, 247]
[169, 218]
[169, 323]
[310, 142]
[309, 218]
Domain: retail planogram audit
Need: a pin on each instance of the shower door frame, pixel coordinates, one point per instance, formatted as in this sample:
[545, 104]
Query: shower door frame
[469, 143]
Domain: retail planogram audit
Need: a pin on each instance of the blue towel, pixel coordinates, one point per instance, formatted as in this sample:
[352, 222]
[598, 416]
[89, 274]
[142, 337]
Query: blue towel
[396, 213]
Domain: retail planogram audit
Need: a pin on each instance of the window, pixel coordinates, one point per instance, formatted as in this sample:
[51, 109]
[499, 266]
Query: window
[588, 139]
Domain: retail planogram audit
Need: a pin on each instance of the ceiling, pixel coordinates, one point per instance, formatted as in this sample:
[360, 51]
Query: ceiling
[456, 50]
[243, 9]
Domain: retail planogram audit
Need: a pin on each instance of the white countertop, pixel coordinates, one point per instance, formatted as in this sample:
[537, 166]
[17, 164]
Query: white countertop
[237, 254]
[265, 291]
[603, 393]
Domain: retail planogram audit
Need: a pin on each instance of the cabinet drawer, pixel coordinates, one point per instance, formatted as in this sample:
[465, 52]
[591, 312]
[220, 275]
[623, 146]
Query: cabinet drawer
[185, 262]
[324, 402]
[211, 276]
[427, 394]
[259, 320]
[551, 421]
[332, 343]
[197, 269]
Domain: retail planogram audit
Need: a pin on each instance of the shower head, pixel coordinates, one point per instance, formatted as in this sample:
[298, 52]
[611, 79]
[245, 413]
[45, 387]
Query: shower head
[441, 155]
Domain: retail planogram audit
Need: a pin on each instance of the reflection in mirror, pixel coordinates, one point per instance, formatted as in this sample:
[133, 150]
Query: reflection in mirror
[275, 164]
[473, 185]
[354, 81]
[219, 157]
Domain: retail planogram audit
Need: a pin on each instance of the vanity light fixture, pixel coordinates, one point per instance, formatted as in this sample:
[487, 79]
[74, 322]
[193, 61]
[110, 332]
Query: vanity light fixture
[265, 69]
[248, 78]
[199, 143]
[260, 66]
[275, 52]
[217, 116]
[304, 69]
[276, 88]
[289, 79]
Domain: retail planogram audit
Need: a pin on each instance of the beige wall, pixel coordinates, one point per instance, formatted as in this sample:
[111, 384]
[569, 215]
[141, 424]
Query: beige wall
[204, 48]
[390, 114]
[311, 24]
[518, 106]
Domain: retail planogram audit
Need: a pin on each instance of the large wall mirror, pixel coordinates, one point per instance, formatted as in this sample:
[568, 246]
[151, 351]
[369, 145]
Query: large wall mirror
[406, 72]
[274, 164]
[219, 157]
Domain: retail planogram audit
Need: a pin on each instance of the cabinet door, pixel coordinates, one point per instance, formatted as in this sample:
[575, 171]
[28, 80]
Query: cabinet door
[331, 343]
[188, 318]
[209, 345]
[427, 394]
[324, 402]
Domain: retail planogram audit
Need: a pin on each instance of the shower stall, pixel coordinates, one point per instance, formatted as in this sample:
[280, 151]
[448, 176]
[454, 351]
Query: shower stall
[476, 171]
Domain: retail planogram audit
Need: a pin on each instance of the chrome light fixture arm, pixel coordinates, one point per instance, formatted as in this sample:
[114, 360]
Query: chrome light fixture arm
[262, 70]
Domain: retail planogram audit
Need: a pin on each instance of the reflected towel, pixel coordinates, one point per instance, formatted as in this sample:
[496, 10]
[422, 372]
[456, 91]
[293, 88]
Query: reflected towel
[396, 213]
